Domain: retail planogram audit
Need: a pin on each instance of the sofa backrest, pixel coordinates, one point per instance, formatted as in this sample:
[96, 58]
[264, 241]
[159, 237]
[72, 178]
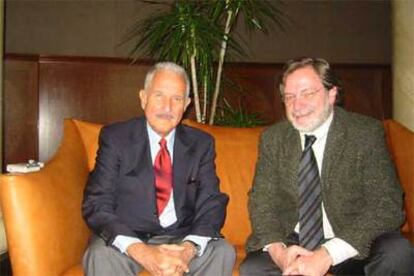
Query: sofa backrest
[401, 146]
[237, 150]
[89, 133]
[46, 234]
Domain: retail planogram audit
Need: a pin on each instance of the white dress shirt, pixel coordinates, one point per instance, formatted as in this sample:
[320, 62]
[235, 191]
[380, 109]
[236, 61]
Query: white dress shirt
[168, 215]
[338, 249]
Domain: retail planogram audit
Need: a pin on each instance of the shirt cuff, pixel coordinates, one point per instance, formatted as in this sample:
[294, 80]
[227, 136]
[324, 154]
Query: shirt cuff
[266, 247]
[199, 240]
[339, 250]
[123, 242]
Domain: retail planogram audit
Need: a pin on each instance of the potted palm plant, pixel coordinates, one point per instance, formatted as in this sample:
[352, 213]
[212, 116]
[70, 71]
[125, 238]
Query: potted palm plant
[199, 35]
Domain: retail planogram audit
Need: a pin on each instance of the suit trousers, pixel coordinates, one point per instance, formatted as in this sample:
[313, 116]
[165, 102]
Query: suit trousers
[390, 254]
[99, 259]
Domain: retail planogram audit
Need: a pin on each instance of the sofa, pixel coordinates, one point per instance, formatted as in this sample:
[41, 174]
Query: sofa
[45, 231]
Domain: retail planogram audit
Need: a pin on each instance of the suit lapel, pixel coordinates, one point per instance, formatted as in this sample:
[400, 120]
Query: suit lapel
[294, 143]
[181, 166]
[292, 154]
[335, 145]
[139, 162]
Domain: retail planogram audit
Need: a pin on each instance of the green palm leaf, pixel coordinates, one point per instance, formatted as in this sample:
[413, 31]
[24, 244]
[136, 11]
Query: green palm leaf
[191, 33]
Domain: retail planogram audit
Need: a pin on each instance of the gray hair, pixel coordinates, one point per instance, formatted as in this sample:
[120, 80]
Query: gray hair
[321, 67]
[170, 66]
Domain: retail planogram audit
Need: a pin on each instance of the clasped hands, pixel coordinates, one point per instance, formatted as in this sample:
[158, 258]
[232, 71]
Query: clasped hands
[164, 259]
[296, 260]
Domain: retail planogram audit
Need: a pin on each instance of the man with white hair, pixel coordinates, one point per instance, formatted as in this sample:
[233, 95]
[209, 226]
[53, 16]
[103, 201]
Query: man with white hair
[153, 200]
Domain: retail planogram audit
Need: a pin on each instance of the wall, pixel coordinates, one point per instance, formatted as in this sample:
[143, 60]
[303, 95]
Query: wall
[403, 60]
[340, 31]
[42, 91]
[354, 32]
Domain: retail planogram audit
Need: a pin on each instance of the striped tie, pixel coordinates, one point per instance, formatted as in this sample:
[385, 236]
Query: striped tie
[310, 210]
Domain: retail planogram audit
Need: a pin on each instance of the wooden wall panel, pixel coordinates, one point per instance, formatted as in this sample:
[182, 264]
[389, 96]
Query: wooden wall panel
[44, 91]
[367, 89]
[97, 90]
[20, 139]
[257, 86]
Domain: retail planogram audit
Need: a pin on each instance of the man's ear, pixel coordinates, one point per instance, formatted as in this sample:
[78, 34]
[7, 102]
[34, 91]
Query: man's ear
[332, 94]
[187, 102]
[143, 98]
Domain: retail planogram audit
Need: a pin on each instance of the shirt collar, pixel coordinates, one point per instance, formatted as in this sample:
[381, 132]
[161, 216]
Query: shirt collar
[154, 138]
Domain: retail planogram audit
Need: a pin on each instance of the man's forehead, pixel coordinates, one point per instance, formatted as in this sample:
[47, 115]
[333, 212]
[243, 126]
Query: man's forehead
[302, 79]
[167, 85]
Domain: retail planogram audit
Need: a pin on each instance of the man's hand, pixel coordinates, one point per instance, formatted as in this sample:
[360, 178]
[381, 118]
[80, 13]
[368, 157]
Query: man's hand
[186, 251]
[284, 256]
[157, 259]
[316, 264]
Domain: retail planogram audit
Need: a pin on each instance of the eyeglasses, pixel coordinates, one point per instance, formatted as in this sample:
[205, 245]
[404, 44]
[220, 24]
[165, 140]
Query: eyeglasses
[307, 95]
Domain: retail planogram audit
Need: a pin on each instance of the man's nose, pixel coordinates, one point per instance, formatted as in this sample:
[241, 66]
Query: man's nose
[167, 105]
[298, 103]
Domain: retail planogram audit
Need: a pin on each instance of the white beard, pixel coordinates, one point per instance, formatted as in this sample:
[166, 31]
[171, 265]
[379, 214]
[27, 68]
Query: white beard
[316, 122]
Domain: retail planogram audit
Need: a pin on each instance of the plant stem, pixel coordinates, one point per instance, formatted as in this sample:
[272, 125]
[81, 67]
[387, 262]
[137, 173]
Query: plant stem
[203, 118]
[195, 87]
[220, 65]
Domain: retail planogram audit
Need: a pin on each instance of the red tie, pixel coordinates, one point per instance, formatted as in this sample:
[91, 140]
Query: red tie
[163, 176]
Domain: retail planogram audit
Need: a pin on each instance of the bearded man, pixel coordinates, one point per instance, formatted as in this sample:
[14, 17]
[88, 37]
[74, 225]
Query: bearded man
[325, 196]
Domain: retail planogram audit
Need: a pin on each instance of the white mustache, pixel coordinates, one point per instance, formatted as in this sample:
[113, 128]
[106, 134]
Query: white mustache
[165, 116]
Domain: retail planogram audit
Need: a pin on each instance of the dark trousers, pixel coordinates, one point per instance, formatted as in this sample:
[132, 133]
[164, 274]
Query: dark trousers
[390, 254]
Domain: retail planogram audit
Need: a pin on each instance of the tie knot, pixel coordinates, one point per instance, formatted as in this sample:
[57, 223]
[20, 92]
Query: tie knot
[309, 140]
[163, 143]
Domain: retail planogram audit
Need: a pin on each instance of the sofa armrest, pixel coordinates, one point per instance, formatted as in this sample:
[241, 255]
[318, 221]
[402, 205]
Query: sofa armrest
[401, 145]
[45, 231]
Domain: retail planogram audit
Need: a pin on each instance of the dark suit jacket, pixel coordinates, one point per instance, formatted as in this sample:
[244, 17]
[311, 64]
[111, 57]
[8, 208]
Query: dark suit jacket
[360, 191]
[120, 198]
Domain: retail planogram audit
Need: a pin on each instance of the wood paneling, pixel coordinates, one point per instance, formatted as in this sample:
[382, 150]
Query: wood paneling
[43, 91]
[367, 89]
[256, 89]
[20, 135]
[98, 90]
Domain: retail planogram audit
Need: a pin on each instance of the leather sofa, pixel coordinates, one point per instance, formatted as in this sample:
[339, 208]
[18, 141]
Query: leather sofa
[45, 231]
